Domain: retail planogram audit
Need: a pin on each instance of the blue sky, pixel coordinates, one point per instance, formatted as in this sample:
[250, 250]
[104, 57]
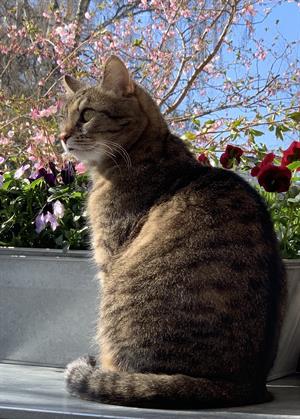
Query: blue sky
[284, 18]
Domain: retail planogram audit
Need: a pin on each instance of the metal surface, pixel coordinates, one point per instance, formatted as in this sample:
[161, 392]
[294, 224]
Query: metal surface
[38, 392]
[48, 306]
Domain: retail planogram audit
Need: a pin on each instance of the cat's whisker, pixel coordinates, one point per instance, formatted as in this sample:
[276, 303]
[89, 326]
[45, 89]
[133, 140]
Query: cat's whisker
[121, 151]
[116, 150]
[109, 153]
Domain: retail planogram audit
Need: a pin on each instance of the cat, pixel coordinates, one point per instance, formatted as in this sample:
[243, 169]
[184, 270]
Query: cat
[192, 283]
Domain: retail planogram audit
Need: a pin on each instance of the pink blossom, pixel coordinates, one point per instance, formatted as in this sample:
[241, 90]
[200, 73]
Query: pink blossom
[261, 54]
[144, 4]
[249, 26]
[4, 141]
[67, 34]
[35, 114]
[80, 168]
[249, 9]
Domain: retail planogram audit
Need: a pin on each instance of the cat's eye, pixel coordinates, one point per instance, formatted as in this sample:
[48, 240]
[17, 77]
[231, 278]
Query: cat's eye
[86, 115]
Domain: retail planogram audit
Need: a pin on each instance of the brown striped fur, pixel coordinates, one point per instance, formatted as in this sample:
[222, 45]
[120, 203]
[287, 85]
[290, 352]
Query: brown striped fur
[192, 281]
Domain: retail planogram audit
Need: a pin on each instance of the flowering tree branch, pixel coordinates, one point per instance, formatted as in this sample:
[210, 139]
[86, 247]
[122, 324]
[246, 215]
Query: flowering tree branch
[209, 57]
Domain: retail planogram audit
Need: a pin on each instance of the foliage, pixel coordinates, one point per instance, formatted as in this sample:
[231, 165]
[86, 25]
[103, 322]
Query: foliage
[278, 182]
[207, 63]
[22, 201]
[46, 208]
[284, 209]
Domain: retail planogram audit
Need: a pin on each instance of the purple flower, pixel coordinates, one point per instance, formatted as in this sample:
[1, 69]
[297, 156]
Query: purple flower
[68, 173]
[41, 172]
[1, 180]
[49, 177]
[42, 220]
[2, 159]
[52, 220]
[20, 172]
[40, 223]
[53, 168]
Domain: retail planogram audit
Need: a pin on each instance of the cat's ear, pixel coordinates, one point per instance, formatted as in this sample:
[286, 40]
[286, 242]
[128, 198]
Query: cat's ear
[71, 85]
[116, 77]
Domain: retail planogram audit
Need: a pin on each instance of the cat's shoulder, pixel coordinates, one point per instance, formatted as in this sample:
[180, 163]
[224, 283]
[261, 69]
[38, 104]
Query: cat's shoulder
[219, 180]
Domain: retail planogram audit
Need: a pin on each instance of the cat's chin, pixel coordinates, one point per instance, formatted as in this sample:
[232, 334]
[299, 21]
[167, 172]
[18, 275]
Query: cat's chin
[87, 157]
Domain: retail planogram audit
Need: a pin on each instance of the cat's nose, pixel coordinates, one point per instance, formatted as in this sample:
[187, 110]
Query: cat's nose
[65, 135]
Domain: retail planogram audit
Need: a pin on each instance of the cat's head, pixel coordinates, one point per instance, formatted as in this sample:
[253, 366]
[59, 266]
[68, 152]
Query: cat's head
[101, 120]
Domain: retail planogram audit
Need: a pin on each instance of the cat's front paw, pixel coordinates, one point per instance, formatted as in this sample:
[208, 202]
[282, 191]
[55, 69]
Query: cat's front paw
[77, 374]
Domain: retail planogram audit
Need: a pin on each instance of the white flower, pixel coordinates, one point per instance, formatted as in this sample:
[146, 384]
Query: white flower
[58, 209]
[10, 133]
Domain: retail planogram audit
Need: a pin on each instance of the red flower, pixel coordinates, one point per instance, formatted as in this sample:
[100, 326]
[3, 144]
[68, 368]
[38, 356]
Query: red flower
[231, 153]
[274, 178]
[226, 161]
[203, 159]
[291, 154]
[255, 170]
[267, 160]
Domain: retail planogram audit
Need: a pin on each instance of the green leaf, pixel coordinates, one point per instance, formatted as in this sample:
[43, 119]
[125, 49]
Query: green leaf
[188, 135]
[137, 42]
[6, 185]
[295, 116]
[278, 133]
[196, 122]
[293, 166]
[209, 122]
[35, 183]
[255, 132]
[76, 194]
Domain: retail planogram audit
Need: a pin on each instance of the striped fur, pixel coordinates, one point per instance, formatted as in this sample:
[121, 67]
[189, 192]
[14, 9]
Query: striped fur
[192, 284]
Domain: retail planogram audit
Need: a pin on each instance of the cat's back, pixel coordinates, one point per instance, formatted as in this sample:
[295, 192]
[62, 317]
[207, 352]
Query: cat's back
[203, 275]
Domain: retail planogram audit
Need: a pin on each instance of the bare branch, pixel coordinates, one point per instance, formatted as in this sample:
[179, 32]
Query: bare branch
[185, 118]
[202, 65]
[82, 8]
[179, 74]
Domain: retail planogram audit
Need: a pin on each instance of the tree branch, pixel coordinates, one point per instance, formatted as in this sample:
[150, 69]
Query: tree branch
[82, 8]
[202, 65]
[185, 118]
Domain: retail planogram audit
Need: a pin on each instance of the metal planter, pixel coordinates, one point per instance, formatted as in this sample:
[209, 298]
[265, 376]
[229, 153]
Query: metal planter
[48, 309]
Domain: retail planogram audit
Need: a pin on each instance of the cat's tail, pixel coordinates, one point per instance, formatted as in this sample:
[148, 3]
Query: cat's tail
[158, 390]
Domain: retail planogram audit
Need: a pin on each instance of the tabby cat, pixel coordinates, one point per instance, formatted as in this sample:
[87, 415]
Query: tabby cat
[192, 284]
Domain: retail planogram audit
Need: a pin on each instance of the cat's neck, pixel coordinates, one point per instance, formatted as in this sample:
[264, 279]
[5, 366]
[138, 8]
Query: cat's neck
[149, 157]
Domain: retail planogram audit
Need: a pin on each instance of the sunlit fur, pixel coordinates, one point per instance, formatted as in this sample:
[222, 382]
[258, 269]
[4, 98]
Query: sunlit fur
[192, 284]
